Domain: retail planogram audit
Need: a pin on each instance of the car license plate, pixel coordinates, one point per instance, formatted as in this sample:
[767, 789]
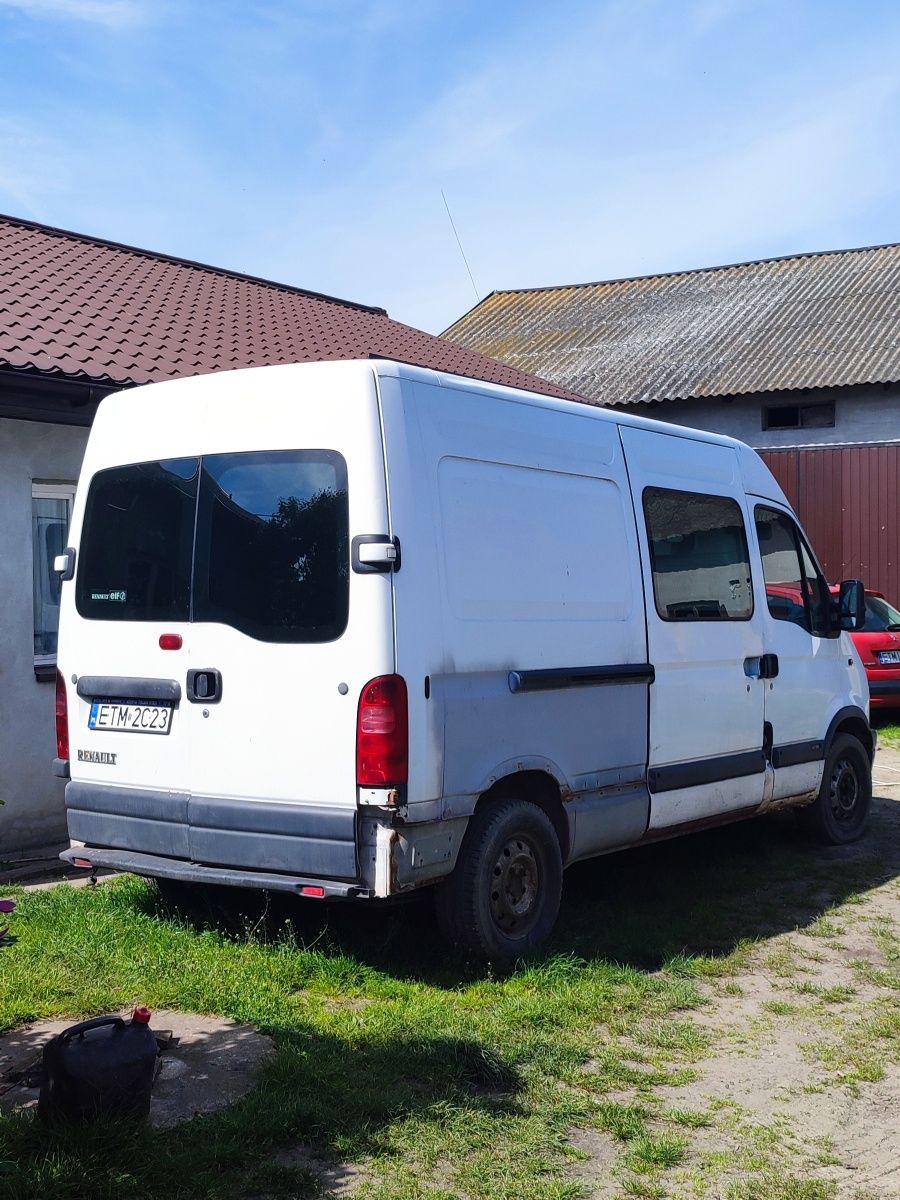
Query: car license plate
[889, 656]
[130, 716]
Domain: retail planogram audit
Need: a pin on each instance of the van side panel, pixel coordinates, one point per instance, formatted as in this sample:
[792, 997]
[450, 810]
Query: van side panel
[517, 526]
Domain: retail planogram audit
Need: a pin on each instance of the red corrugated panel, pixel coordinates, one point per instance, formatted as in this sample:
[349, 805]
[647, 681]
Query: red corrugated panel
[785, 466]
[847, 499]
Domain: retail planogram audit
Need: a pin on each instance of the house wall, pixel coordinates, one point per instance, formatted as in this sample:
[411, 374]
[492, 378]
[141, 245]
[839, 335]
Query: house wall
[32, 812]
[870, 413]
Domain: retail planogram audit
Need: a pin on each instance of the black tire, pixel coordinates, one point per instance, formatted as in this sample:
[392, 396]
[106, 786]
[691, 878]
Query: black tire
[502, 899]
[838, 814]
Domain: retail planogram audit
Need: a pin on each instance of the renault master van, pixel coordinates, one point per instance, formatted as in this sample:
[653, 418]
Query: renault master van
[350, 629]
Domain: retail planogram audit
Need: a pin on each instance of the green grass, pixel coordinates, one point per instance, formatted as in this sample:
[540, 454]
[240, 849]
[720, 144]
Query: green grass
[438, 1078]
[780, 1008]
[780, 1187]
[888, 732]
[859, 1050]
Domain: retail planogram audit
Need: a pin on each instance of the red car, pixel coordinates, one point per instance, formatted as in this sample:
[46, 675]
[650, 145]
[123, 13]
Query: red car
[878, 643]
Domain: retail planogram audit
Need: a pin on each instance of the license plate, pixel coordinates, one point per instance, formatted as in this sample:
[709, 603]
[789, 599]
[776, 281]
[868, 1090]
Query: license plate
[889, 656]
[130, 716]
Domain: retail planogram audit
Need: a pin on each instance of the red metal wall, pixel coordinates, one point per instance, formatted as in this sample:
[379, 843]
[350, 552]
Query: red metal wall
[847, 499]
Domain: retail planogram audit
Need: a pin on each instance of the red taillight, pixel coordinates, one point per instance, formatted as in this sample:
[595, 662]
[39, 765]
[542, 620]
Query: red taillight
[62, 719]
[170, 641]
[309, 889]
[382, 733]
[82, 862]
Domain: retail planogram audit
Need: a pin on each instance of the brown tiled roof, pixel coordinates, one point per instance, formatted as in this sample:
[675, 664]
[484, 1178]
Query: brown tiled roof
[83, 308]
[812, 320]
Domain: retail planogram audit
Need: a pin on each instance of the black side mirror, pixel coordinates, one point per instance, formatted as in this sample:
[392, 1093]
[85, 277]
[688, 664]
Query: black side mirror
[852, 604]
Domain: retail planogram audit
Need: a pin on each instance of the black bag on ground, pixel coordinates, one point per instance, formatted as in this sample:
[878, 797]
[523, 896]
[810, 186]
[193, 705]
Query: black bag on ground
[99, 1068]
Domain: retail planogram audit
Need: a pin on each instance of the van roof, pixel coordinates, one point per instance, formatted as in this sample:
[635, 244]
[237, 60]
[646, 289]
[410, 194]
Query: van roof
[756, 476]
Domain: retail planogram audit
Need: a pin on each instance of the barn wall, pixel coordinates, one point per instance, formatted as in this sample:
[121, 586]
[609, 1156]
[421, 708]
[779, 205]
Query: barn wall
[847, 499]
[868, 413]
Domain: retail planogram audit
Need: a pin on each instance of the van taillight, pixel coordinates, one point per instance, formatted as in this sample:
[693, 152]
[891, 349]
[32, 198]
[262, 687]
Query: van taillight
[382, 733]
[62, 719]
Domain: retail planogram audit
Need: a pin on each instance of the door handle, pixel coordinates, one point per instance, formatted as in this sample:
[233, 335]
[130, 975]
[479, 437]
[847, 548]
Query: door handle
[763, 666]
[204, 686]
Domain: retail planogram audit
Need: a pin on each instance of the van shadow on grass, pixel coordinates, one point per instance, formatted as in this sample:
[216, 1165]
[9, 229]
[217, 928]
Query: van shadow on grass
[330, 1099]
[698, 895]
[704, 894]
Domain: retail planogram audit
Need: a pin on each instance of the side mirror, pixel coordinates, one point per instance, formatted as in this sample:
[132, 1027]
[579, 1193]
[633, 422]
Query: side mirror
[852, 604]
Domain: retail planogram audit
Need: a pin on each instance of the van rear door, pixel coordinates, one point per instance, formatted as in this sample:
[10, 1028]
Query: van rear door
[241, 547]
[132, 587]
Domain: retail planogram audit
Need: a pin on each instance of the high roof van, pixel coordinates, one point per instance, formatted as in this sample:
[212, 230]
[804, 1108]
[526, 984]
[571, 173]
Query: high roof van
[350, 629]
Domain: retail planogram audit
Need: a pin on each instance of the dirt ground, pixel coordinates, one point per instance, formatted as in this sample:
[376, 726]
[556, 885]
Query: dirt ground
[801, 1079]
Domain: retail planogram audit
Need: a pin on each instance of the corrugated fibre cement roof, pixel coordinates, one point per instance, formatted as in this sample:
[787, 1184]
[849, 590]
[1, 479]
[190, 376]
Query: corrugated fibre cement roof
[84, 308]
[809, 321]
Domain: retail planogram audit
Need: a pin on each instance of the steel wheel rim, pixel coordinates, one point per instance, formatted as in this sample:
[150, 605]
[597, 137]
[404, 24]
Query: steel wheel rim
[515, 885]
[844, 790]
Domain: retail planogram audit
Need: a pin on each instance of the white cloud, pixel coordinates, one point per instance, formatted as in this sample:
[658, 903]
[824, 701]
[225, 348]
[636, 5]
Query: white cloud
[114, 14]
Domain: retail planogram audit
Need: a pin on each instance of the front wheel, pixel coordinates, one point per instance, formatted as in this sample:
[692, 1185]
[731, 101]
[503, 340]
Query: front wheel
[838, 814]
[503, 897]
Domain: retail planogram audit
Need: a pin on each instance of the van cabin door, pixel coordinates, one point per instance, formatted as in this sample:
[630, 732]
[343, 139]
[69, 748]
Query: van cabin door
[705, 634]
[810, 662]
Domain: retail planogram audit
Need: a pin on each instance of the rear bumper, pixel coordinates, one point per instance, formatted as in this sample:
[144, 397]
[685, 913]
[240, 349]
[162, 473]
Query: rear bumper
[291, 841]
[884, 689]
[155, 866]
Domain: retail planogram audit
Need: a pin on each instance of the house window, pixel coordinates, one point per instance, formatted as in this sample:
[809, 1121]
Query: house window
[51, 510]
[798, 416]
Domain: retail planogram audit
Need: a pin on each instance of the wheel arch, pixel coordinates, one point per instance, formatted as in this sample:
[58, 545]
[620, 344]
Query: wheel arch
[854, 721]
[541, 789]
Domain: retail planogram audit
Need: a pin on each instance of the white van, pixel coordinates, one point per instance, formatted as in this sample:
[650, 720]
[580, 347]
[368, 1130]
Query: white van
[347, 629]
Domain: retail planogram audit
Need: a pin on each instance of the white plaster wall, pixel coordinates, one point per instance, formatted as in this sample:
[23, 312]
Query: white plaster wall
[870, 414]
[32, 813]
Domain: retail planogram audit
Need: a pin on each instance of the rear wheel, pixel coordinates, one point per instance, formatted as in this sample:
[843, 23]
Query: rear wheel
[838, 814]
[502, 899]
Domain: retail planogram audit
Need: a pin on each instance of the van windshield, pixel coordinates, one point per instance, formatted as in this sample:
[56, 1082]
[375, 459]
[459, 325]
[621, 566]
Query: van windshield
[258, 541]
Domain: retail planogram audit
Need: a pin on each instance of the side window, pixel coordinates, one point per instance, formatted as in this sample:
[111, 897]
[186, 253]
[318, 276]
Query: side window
[51, 508]
[795, 589]
[699, 557]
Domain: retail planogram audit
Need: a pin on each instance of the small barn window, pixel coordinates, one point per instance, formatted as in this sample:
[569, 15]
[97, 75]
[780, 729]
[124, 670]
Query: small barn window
[798, 416]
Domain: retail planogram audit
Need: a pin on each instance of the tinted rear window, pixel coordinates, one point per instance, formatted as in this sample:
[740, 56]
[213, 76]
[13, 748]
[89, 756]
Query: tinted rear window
[258, 541]
[135, 557]
[272, 555]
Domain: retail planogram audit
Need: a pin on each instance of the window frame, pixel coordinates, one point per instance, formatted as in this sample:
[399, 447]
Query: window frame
[748, 558]
[45, 664]
[200, 532]
[801, 542]
[768, 409]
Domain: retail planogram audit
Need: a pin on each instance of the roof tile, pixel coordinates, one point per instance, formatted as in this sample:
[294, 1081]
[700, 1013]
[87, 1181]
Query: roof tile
[812, 320]
[81, 307]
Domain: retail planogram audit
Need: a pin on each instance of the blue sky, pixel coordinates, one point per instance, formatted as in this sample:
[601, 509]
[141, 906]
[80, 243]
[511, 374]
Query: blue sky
[309, 142]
